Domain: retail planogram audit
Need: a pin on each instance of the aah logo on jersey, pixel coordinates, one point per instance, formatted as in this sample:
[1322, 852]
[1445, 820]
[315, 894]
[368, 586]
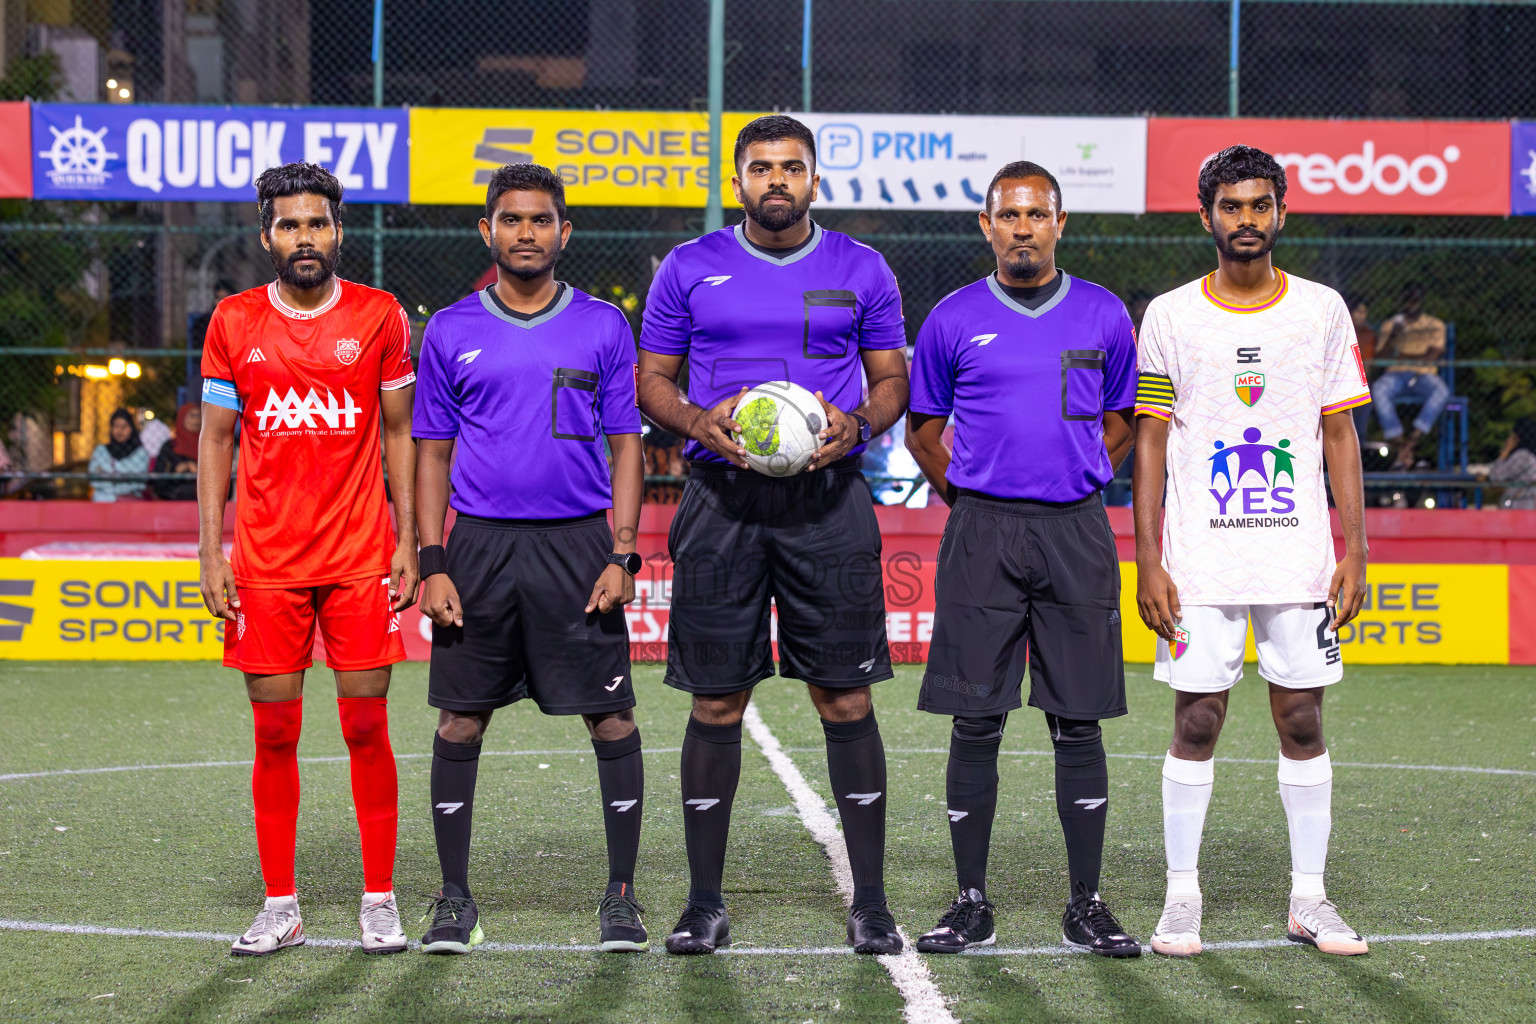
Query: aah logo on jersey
[293, 412]
[1255, 503]
[1249, 387]
[1180, 642]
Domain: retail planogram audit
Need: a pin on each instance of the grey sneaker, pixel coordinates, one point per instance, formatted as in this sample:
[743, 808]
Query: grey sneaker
[276, 927]
[380, 921]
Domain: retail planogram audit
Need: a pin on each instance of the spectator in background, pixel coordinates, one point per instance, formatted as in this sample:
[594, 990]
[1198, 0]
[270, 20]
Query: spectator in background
[153, 433]
[1365, 338]
[1417, 340]
[1517, 462]
[179, 455]
[29, 450]
[122, 454]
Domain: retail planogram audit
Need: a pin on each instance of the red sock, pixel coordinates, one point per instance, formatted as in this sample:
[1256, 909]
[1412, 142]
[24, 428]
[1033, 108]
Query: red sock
[275, 789]
[375, 790]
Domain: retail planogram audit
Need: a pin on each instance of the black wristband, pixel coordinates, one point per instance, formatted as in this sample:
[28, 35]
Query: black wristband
[432, 559]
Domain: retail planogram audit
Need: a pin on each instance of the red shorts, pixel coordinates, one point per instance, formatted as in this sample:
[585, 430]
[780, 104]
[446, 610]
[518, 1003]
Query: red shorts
[274, 630]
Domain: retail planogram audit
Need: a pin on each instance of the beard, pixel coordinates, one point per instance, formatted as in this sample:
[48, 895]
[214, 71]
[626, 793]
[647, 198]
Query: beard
[306, 278]
[1024, 265]
[1225, 247]
[777, 218]
[529, 271]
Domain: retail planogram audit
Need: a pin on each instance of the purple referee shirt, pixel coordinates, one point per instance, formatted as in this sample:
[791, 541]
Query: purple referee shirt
[743, 317]
[528, 401]
[1028, 388]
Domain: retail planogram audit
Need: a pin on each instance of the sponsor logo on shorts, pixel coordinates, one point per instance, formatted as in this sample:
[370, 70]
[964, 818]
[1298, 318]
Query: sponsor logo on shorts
[239, 626]
[1180, 642]
[1249, 387]
[1261, 502]
[957, 685]
[615, 684]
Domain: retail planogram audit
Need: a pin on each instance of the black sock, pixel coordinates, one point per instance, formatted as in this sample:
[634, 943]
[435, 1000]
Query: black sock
[454, 767]
[856, 768]
[621, 778]
[971, 795]
[1082, 797]
[711, 768]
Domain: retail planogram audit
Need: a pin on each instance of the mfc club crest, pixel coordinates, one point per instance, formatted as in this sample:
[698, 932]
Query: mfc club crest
[348, 349]
[1249, 387]
[1180, 642]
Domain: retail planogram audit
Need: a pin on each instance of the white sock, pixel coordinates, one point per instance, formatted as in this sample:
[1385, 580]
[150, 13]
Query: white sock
[1306, 790]
[1187, 789]
[283, 901]
[378, 897]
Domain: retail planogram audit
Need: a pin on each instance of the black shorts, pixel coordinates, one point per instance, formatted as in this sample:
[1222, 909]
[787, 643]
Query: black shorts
[1026, 584]
[812, 544]
[524, 585]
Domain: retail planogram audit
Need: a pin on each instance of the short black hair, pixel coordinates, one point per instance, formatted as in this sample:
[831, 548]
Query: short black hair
[1239, 163]
[1413, 291]
[525, 178]
[1024, 169]
[773, 128]
[296, 179]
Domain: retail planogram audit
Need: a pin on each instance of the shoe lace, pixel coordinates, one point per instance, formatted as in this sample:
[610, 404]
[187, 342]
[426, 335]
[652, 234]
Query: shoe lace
[877, 915]
[1324, 918]
[381, 918]
[1100, 920]
[696, 916]
[445, 909]
[1180, 918]
[269, 919]
[620, 907]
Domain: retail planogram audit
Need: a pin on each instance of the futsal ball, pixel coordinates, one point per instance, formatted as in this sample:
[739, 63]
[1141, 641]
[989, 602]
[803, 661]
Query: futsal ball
[779, 423]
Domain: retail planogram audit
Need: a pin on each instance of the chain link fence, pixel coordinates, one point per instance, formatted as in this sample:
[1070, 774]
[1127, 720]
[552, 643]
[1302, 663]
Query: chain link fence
[82, 284]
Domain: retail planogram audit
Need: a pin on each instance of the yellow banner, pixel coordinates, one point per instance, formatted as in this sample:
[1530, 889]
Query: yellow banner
[105, 610]
[606, 157]
[1414, 614]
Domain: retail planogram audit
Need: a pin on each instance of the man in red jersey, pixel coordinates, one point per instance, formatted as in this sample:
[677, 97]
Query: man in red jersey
[306, 365]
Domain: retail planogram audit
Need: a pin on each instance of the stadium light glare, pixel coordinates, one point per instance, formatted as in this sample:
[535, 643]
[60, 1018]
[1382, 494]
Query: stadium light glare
[111, 83]
[116, 367]
[124, 93]
[96, 372]
[149, 414]
[1429, 502]
[133, 370]
[1383, 450]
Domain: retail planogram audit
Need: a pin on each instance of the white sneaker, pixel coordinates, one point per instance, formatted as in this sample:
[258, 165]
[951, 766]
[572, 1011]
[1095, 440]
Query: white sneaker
[1317, 923]
[1178, 930]
[380, 921]
[278, 925]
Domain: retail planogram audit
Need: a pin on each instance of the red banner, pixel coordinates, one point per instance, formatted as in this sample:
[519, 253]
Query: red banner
[1417, 167]
[16, 154]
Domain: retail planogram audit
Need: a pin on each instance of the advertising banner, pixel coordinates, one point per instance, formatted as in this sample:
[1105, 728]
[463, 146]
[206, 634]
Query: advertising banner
[1416, 167]
[1522, 167]
[15, 164]
[103, 151]
[944, 162]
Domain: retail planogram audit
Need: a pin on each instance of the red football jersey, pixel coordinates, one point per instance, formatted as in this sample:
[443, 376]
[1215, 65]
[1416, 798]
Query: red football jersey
[309, 497]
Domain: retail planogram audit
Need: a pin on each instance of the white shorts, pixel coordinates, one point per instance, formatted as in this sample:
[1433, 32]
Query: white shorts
[1296, 648]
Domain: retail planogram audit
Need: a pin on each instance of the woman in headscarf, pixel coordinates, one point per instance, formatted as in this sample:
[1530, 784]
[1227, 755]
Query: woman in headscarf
[179, 455]
[1517, 462]
[122, 454]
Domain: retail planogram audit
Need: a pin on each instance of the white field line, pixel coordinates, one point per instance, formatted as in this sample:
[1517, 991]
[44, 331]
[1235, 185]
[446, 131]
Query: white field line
[15, 776]
[1425, 938]
[924, 1003]
[1225, 760]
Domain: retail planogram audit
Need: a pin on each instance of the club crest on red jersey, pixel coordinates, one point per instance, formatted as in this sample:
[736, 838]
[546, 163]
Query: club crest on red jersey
[347, 350]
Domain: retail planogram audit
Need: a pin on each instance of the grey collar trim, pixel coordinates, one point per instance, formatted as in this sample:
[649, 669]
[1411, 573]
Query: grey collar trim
[751, 250]
[1033, 314]
[543, 318]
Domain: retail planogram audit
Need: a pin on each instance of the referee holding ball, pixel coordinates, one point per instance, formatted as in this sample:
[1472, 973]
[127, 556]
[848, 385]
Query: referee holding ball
[1039, 371]
[776, 298]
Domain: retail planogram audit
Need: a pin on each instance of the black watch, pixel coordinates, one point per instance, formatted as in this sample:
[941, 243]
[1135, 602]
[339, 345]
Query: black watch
[864, 431]
[630, 562]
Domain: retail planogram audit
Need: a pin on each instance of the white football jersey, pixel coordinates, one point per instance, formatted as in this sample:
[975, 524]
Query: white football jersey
[1244, 390]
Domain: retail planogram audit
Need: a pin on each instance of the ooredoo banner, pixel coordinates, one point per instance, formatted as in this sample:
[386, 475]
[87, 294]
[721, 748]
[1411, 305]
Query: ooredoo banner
[15, 165]
[102, 151]
[1414, 167]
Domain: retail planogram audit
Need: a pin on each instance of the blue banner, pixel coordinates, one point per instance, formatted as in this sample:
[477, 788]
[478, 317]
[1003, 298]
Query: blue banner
[107, 151]
[1522, 167]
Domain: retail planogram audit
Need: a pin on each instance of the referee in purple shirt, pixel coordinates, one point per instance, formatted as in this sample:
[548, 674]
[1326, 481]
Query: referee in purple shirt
[1038, 369]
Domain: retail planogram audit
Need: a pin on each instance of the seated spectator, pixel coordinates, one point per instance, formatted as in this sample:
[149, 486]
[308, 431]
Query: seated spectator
[1365, 339]
[28, 449]
[179, 455]
[122, 454]
[1418, 341]
[153, 434]
[1517, 462]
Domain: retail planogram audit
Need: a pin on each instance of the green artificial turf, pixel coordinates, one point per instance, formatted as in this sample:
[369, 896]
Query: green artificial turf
[1414, 852]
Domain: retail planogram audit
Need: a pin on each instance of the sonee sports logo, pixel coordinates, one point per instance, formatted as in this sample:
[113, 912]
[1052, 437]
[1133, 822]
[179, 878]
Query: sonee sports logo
[291, 411]
[14, 617]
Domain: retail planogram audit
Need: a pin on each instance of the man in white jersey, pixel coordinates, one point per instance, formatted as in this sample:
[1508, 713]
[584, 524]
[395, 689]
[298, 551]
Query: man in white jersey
[1242, 374]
